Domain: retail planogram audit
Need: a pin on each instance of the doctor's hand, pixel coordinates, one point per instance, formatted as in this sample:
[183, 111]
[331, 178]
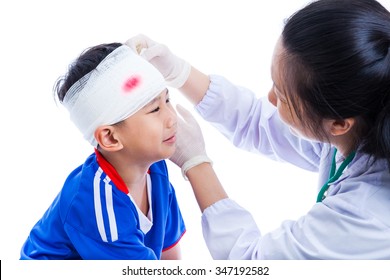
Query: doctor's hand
[190, 146]
[174, 69]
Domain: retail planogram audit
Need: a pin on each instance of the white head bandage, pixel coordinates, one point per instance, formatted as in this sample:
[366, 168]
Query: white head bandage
[117, 88]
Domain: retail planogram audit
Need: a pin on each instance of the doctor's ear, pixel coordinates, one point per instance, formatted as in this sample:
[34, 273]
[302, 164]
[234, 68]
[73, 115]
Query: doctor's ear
[340, 127]
[107, 138]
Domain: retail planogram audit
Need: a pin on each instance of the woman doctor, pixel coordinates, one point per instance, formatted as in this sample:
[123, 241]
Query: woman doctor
[327, 111]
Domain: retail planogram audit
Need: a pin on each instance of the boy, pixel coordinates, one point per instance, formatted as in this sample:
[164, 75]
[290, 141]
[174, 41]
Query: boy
[119, 204]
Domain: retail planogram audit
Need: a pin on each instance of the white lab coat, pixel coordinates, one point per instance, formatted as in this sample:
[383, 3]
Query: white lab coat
[353, 222]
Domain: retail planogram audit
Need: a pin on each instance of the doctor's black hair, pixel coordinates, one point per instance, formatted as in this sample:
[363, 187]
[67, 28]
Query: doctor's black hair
[88, 60]
[337, 66]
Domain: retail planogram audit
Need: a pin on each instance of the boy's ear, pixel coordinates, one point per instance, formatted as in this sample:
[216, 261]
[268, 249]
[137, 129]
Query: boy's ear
[340, 127]
[107, 138]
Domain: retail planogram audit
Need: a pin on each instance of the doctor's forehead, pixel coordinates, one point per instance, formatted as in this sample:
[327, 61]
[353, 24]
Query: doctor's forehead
[276, 63]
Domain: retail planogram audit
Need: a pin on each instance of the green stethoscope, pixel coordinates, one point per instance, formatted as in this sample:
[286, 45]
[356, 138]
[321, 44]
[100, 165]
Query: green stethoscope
[334, 175]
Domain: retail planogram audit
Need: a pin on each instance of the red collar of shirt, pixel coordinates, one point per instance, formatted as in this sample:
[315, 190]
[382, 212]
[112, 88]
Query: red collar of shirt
[111, 172]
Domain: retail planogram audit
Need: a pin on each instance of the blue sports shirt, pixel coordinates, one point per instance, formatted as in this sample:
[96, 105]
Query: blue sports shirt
[94, 218]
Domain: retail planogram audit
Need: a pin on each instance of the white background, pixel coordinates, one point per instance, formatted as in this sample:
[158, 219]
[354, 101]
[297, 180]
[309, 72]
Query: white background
[40, 146]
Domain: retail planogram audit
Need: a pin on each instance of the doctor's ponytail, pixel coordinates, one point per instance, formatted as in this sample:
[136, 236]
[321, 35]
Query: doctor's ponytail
[377, 142]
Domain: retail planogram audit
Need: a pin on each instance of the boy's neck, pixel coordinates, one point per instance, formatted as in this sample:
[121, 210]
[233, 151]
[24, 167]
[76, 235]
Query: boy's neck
[135, 180]
[133, 176]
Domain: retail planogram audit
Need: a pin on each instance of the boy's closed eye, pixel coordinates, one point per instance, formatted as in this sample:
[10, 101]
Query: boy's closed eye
[156, 109]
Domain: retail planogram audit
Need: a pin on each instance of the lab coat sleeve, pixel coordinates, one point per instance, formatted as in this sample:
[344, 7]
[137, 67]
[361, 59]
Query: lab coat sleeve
[229, 231]
[332, 230]
[253, 124]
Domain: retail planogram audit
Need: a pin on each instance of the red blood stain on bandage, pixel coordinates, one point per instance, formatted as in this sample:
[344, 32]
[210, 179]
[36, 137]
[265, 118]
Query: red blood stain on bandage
[131, 83]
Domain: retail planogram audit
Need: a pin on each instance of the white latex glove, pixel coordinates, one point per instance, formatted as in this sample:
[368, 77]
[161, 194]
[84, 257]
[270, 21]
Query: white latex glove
[174, 69]
[190, 146]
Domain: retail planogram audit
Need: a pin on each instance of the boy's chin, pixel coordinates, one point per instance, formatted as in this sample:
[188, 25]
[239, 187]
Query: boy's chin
[167, 155]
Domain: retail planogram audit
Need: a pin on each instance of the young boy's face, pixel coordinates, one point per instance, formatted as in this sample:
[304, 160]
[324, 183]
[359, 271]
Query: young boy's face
[149, 134]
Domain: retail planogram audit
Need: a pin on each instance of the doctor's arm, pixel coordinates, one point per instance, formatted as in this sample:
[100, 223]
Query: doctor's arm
[251, 124]
[195, 87]
[191, 157]
[223, 220]
[206, 185]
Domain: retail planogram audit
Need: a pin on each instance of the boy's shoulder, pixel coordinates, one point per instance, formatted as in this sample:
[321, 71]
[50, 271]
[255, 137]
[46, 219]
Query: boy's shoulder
[90, 166]
[80, 175]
